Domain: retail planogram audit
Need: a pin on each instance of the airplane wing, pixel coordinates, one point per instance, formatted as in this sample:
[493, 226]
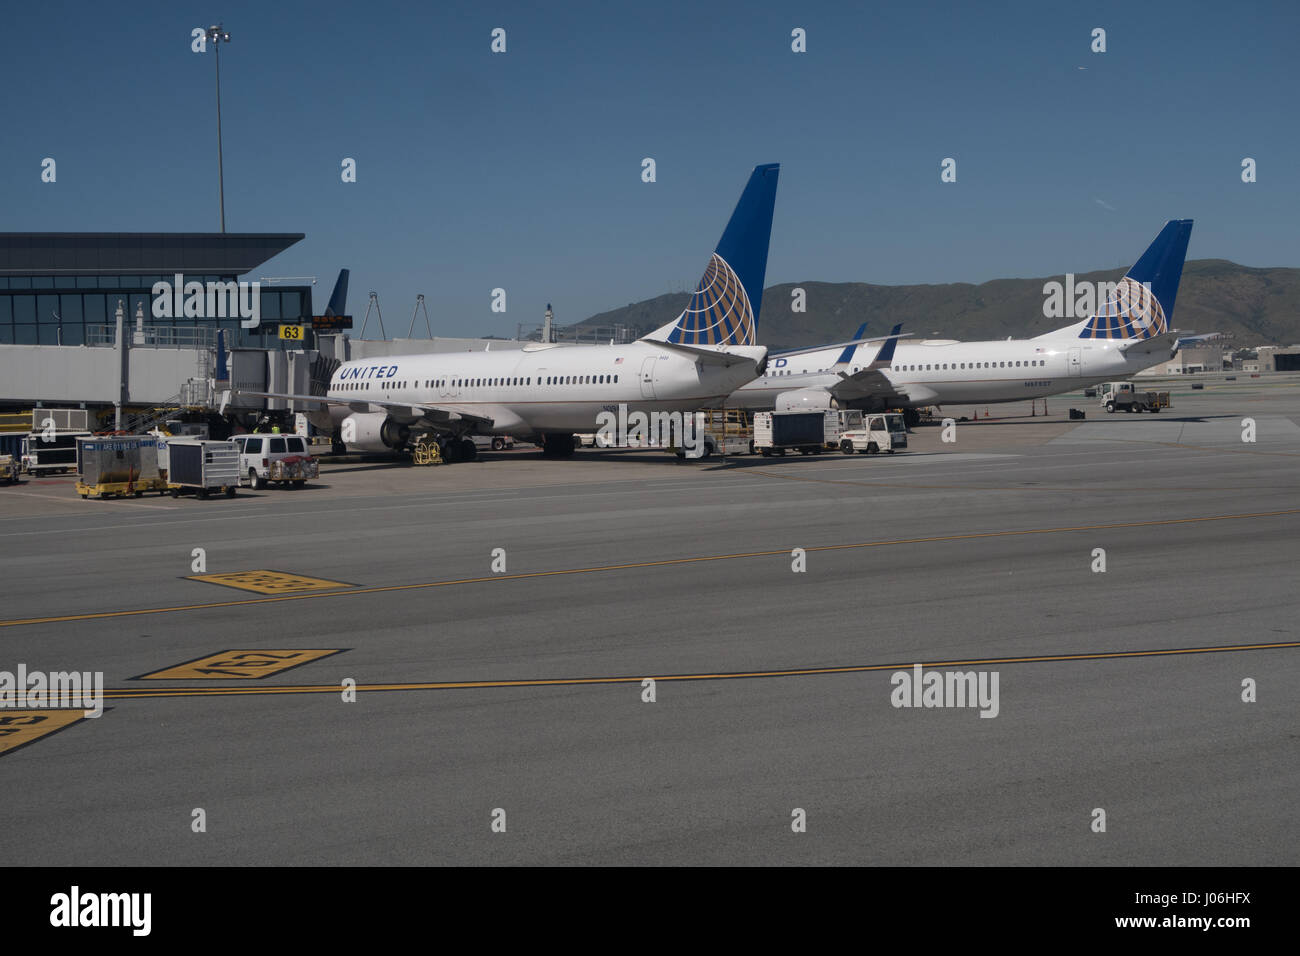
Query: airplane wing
[868, 383]
[874, 383]
[705, 356]
[871, 381]
[1167, 341]
[404, 412]
[835, 345]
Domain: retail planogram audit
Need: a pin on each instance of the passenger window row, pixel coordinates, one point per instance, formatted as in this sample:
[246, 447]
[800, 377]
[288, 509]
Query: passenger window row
[487, 382]
[955, 366]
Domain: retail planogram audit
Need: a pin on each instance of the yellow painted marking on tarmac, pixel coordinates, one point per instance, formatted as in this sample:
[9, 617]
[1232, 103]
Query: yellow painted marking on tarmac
[668, 562]
[240, 664]
[18, 728]
[127, 693]
[264, 581]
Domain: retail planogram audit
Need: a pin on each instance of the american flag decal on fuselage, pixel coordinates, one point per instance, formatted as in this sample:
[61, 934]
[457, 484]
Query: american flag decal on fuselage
[1133, 312]
[719, 313]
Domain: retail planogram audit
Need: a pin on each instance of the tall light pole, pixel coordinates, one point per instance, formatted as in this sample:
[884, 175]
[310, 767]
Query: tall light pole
[216, 36]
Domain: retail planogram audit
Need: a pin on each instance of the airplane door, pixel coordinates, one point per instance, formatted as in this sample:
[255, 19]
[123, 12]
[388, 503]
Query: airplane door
[1075, 361]
[648, 377]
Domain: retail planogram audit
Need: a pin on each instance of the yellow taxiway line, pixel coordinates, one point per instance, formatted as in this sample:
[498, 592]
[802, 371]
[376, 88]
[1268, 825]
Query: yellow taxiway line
[131, 693]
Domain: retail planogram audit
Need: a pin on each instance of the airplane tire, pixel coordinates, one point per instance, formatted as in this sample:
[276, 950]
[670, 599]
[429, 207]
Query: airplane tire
[468, 450]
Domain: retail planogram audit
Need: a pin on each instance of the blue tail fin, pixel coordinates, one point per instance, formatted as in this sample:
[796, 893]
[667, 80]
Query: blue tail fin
[339, 297]
[724, 309]
[847, 355]
[1142, 305]
[885, 357]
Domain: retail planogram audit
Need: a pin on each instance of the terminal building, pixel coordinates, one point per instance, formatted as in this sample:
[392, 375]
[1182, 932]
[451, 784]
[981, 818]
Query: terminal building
[61, 294]
[60, 346]
[63, 288]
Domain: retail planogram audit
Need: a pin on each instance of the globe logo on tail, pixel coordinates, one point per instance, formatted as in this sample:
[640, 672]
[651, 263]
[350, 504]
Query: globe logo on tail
[1133, 312]
[719, 312]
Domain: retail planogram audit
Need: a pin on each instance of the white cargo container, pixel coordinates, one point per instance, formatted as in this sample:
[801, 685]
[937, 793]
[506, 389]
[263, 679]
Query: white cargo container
[204, 467]
[810, 433]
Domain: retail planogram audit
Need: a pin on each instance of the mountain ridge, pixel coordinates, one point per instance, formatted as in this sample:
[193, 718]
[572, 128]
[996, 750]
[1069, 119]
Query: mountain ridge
[1250, 305]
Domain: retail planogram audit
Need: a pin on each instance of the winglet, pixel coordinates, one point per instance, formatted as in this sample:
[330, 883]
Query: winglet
[847, 355]
[885, 357]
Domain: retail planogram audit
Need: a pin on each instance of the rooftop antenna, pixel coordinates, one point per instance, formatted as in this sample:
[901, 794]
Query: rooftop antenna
[374, 304]
[419, 304]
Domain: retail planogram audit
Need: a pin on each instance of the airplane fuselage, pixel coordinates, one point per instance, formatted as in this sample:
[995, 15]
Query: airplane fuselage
[542, 388]
[951, 372]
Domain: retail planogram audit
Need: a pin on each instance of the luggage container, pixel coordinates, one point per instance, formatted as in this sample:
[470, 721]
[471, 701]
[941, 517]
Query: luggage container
[118, 466]
[809, 433]
[46, 451]
[204, 467]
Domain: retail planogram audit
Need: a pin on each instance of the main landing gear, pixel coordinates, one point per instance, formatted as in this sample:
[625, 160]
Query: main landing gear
[459, 449]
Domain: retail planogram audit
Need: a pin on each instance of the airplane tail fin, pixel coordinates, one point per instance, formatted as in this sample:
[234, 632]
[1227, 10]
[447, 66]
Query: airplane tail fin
[724, 309]
[1142, 305]
[339, 297]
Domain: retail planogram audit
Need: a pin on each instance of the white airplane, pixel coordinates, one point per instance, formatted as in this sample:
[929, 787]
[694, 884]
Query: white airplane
[546, 392]
[1129, 333]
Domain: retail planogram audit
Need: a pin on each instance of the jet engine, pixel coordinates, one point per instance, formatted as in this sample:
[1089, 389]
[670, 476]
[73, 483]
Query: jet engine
[374, 431]
[806, 399]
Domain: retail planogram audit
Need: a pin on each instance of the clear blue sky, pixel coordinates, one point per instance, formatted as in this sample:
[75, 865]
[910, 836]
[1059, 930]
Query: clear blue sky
[522, 170]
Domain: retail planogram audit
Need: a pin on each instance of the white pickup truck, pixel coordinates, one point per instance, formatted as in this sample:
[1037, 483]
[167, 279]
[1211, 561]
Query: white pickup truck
[282, 458]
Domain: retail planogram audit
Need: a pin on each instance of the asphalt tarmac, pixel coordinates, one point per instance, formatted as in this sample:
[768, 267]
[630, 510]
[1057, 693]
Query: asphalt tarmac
[499, 619]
